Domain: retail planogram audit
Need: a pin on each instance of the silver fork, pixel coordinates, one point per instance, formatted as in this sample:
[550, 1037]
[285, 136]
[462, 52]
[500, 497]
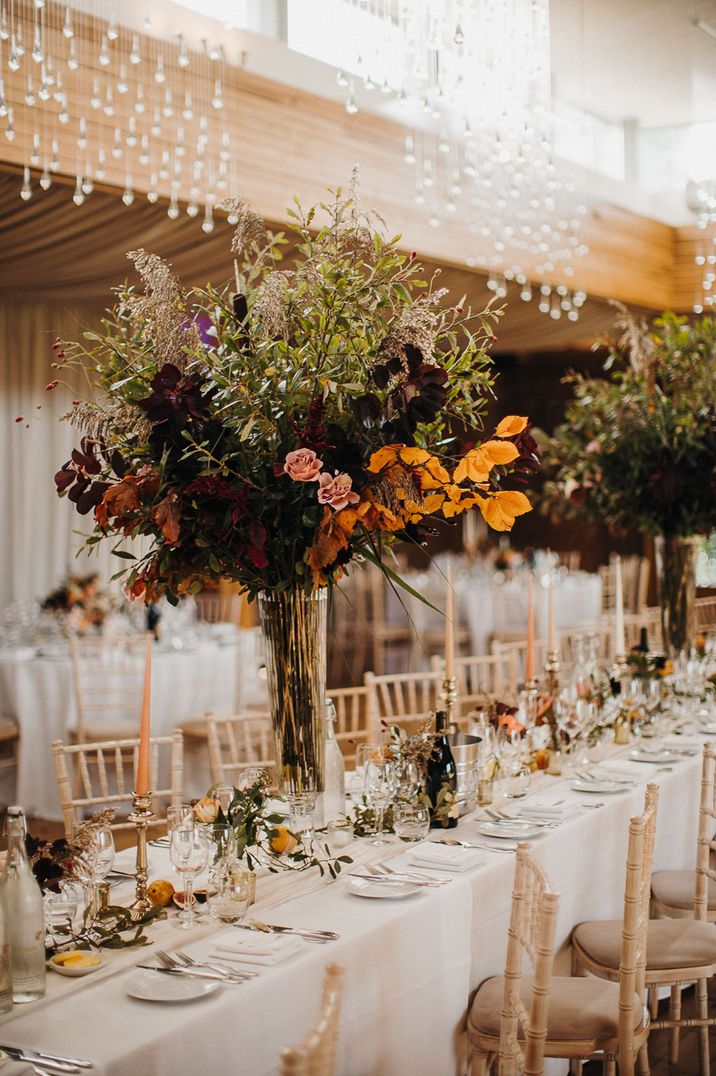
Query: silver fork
[222, 969]
[183, 969]
[503, 818]
[411, 876]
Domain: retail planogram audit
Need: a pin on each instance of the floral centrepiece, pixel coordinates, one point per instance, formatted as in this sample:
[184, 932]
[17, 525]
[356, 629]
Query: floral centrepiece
[637, 449]
[270, 435]
[261, 837]
[79, 604]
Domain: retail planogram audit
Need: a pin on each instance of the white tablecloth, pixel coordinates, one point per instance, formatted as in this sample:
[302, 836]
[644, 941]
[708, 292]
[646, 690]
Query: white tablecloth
[38, 694]
[410, 965]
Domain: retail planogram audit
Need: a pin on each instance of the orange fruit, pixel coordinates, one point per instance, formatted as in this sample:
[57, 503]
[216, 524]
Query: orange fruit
[160, 893]
[284, 841]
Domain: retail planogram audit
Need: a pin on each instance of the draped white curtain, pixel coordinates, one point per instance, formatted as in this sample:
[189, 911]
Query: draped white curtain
[38, 538]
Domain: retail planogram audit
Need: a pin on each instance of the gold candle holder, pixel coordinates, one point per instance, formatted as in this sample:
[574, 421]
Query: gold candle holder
[141, 815]
[551, 668]
[448, 697]
[531, 694]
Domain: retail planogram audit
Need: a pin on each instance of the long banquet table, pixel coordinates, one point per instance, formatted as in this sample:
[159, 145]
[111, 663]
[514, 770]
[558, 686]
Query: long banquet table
[410, 965]
[37, 693]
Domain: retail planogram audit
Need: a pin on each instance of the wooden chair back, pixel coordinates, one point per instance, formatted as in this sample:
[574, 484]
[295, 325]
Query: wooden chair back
[355, 611]
[637, 900]
[649, 618]
[513, 654]
[494, 674]
[705, 845]
[706, 613]
[635, 583]
[105, 776]
[317, 1053]
[239, 742]
[218, 608]
[531, 934]
[570, 559]
[404, 698]
[354, 724]
[108, 677]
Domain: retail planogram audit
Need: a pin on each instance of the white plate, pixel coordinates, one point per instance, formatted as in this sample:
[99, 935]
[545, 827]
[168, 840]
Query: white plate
[603, 787]
[361, 887]
[510, 830]
[657, 758]
[155, 986]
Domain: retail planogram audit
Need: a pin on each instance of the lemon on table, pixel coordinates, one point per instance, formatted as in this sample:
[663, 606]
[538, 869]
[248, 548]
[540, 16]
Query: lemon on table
[284, 841]
[160, 893]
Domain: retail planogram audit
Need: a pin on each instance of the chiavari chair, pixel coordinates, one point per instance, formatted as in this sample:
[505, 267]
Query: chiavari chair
[520, 1020]
[317, 1053]
[237, 743]
[678, 951]
[404, 697]
[108, 677]
[476, 676]
[649, 619]
[105, 776]
[635, 583]
[218, 608]
[706, 613]
[354, 723]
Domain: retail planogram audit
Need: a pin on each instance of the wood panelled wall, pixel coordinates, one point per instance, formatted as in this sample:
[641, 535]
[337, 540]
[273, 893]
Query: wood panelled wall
[294, 143]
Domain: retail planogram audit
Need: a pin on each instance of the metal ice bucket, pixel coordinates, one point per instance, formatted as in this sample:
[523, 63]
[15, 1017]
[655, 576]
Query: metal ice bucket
[464, 750]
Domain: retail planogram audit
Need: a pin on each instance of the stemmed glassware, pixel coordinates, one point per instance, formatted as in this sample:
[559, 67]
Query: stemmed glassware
[380, 787]
[94, 862]
[189, 854]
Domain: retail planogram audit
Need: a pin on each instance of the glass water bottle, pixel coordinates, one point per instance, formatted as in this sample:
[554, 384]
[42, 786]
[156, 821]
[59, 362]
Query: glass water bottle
[22, 904]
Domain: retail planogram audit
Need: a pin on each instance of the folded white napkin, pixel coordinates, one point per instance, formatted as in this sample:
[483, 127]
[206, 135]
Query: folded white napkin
[552, 811]
[262, 949]
[440, 857]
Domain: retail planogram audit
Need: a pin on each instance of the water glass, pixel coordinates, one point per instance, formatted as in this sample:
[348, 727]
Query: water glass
[231, 891]
[189, 853]
[380, 785]
[180, 814]
[411, 821]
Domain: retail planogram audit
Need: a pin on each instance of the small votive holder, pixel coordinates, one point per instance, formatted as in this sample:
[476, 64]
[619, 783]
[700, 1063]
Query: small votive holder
[231, 891]
[339, 834]
[554, 765]
[411, 821]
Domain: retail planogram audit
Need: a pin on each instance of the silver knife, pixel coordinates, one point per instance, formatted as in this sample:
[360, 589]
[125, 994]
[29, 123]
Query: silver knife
[272, 928]
[195, 974]
[37, 1055]
[49, 1066]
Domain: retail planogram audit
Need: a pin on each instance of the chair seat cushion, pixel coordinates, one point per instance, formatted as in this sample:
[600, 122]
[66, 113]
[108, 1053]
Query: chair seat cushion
[579, 1009]
[677, 889]
[671, 943]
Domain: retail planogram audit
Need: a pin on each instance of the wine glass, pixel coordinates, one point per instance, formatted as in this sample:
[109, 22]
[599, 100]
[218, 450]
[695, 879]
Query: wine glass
[105, 854]
[189, 853]
[380, 785]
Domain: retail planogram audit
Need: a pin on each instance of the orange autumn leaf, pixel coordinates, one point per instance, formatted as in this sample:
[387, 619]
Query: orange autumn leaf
[510, 426]
[433, 474]
[166, 515]
[499, 452]
[414, 457]
[432, 503]
[331, 538]
[475, 466]
[502, 508]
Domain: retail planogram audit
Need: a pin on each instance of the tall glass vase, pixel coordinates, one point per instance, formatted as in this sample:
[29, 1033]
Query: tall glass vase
[294, 630]
[676, 571]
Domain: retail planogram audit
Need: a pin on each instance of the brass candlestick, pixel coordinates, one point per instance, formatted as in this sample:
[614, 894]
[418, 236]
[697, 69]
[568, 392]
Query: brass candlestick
[141, 815]
[531, 693]
[551, 668]
[448, 698]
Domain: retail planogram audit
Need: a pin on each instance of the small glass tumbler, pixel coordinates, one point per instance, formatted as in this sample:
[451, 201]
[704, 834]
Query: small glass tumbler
[411, 821]
[231, 892]
[339, 833]
[517, 784]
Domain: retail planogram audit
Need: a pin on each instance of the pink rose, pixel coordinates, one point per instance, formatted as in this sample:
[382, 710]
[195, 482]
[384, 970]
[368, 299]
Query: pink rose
[302, 465]
[594, 447]
[336, 491]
